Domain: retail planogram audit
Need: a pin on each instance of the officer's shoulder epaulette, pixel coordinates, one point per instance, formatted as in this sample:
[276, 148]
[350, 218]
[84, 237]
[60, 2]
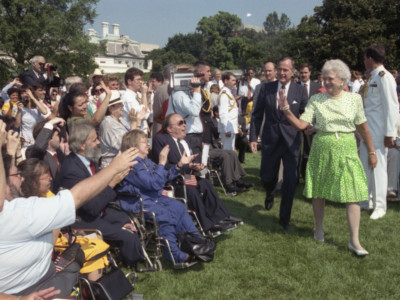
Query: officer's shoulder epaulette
[382, 73]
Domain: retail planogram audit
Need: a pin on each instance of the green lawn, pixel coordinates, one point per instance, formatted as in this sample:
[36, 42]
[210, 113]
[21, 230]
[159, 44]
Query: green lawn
[261, 261]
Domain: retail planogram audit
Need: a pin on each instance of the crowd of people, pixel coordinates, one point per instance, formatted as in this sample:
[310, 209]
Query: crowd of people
[70, 147]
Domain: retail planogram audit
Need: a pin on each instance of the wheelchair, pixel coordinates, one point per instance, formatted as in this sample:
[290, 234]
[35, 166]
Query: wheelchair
[147, 226]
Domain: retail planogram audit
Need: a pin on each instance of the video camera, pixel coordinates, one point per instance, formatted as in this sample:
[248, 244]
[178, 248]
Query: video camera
[181, 81]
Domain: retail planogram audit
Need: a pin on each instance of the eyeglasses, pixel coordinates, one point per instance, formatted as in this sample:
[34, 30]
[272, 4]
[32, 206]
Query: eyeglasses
[41, 64]
[180, 123]
[99, 91]
[19, 174]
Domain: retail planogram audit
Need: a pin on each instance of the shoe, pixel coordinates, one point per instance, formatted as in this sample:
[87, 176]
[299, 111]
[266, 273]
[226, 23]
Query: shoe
[231, 189]
[392, 193]
[317, 239]
[362, 252]
[377, 214]
[269, 201]
[243, 184]
[236, 224]
[224, 227]
[213, 232]
[284, 225]
[235, 220]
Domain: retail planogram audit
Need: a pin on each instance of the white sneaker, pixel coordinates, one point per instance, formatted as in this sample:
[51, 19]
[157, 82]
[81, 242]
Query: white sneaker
[377, 214]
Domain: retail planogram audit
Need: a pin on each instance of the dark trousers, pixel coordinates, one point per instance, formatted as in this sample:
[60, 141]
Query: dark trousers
[204, 200]
[241, 144]
[111, 226]
[270, 163]
[195, 141]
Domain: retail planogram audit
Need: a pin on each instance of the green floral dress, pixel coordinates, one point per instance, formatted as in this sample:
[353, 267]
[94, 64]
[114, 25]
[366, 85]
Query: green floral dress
[334, 170]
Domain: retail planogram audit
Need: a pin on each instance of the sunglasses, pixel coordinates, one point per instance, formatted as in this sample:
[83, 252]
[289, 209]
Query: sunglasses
[41, 64]
[181, 122]
[99, 91]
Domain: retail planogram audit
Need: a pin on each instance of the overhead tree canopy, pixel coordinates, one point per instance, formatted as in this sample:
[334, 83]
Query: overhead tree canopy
[53, 29]
[337, 29]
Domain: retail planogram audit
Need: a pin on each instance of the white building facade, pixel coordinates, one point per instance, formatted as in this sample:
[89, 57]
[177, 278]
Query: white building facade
[122, 53]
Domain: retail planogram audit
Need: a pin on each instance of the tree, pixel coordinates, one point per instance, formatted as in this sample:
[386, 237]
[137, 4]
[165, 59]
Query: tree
[273, 24]
[54, 29]
[217, 32]
[191, 43]
[347, 27]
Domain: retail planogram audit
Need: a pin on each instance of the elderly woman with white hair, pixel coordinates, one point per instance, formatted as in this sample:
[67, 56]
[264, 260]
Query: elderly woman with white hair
[334, 171]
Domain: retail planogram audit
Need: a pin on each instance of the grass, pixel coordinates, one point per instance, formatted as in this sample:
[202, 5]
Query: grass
[260, 260]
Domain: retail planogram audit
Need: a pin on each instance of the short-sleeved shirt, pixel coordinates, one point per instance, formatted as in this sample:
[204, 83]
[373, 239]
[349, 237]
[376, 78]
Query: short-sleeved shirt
[26, 238]
[335, 114]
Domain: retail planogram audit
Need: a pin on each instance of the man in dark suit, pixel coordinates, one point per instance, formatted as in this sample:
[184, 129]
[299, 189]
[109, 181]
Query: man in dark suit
[312, 88]
[49, 145]
[43, 73]
[279, 139]
[202, 197]
[81, 164]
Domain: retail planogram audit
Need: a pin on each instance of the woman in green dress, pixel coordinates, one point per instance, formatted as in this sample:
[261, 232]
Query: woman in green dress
[334, 171]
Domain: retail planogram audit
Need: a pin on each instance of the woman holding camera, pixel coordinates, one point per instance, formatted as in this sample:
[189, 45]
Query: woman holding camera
[32, 112]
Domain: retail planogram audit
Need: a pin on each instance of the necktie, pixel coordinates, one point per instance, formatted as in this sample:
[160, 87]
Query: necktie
[181, 148]
[58, 163]
[306, 86]
[92, 168]
[280, 113]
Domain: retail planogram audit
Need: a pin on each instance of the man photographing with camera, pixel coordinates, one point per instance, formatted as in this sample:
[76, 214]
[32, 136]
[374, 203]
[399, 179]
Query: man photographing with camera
[185, 100]
[43, 73]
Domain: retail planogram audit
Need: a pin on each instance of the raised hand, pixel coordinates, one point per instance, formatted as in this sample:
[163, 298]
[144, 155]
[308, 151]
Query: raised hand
[13, 142]
[186, 159]
[3, 133]
[282, 101]
[124, 161]
[163, 155]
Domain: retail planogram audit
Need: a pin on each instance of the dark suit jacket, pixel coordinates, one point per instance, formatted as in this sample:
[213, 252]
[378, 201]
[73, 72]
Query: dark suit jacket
[29, 78]
[174, 156]
[38, 150]
[314, 87]
[73, 171]
[276, 126]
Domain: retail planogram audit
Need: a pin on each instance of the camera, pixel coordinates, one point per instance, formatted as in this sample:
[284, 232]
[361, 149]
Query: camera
[245, 76]
[53, 68]
[24, 101]
[181, 81]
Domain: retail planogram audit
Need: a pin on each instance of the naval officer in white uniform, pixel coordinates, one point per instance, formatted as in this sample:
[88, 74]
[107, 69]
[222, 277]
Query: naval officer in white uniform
[381, 109]
[228, 112]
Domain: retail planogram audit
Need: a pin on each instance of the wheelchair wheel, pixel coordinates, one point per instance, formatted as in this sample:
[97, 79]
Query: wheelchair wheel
[158, 265]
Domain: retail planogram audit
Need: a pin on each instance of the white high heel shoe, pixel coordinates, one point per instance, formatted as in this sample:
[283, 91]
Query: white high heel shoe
[362, 252]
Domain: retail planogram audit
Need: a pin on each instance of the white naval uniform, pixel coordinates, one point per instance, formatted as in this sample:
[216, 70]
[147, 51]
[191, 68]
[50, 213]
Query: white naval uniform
[381, 109]
[228, 118]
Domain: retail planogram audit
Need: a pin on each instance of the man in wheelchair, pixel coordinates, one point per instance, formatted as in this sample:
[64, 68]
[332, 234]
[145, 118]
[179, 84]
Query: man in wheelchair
[201, 195]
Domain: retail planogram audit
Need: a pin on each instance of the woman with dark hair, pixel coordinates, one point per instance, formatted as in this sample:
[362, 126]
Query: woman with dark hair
[11, 108]
[75, 107]
[32, 111]
[37, 182]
